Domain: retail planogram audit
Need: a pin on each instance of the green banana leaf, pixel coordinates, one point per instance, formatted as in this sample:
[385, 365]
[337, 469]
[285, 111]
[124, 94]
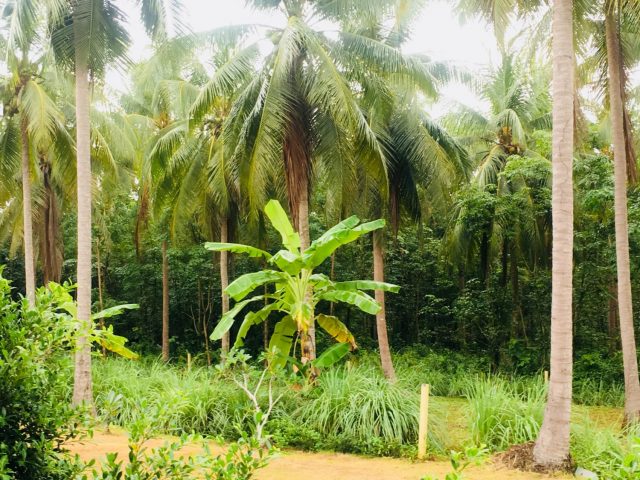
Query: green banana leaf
[338, 330]
[113, 311]
[366, 285]
[280, 221]
[251, 319]
[244, 285]
[332, 355]
[359, 299]
[341, 234]
[228, 318]
[288, 262]
[112, 342]
[237, 248]
[320, 280]
[281, 340]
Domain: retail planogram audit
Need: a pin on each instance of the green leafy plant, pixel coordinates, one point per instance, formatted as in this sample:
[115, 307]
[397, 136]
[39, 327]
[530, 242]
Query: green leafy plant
[460, 461]
[297, 289]
[35, 416]
[102, 336]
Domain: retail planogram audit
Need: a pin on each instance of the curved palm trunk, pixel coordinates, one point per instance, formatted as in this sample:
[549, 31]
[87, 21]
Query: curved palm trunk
[224, 278]
[27, 219]
[631, 382]
[82, 384]
[50, 250]
[165, 303]
[381, 320]
[552, 446]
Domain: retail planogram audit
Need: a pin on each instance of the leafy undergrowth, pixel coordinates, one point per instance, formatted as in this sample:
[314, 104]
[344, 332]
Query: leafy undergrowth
[352, 409]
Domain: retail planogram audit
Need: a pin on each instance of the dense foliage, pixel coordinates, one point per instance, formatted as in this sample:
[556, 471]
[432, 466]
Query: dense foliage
[439, 305]
[35, 415]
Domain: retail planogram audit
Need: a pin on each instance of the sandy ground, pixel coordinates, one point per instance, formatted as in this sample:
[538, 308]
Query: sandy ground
[317, 466]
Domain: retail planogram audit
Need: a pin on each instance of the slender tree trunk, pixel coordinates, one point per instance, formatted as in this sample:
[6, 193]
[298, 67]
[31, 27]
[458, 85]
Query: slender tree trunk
[627, 335]
[27, 218]
[308, 339]
[165, 303]
[82, 386]
[332, 276]
[504, 273]
[612, 315]
[381, 320]
[224, 278]
[50, 250]
[100, 298]
[552, 446]
[484, 259]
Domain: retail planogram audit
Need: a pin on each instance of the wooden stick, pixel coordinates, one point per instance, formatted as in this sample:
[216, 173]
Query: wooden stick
[424, 421]
[188, 362]
[546, 376]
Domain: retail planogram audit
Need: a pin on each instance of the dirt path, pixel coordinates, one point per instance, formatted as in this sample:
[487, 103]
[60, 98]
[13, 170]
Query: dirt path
[317, 466]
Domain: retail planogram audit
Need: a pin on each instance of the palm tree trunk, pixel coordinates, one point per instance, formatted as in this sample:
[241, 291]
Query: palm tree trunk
[627, 335]
[165, 303]
[82, 385]
[50, 250]
[100, 297]
[381, 320]
[308, 339]
[484, 259]
[27, 218]
[552, 446]
[224, 278]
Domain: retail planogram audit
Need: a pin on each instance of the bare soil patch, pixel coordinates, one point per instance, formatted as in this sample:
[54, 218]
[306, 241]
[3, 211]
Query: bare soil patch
[318, 466]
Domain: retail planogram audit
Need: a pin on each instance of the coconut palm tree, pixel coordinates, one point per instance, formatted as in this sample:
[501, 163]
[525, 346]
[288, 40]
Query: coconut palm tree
[552, 446]
[622, 150]
[88, 35]
[301, 108]
[36, 114]
[519, 107]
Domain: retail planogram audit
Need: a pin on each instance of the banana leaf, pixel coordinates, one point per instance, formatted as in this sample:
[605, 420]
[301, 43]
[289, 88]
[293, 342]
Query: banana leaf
[338, 330]
[244, 285]
[112, 342]
[251, 319]
[113, 311]
[366, 285]
[341, 234]
[332, 355]
[281, 340]
[288, 262]
[359, 299]
[228, 318]
[236, 248]
[280, 221]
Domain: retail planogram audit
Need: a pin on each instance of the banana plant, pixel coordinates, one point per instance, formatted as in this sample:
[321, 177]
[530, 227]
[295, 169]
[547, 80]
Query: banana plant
[297, 290]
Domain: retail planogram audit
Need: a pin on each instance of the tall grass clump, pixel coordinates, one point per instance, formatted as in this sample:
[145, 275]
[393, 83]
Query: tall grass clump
[200, 400]
[598, 392]
[611, 454]
[359, 403]
[505, 413]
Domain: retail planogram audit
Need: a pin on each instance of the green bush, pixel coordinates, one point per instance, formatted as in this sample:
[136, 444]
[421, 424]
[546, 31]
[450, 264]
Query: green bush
[35, 378]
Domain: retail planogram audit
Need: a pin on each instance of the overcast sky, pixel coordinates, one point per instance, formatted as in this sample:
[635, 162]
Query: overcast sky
[436, 33]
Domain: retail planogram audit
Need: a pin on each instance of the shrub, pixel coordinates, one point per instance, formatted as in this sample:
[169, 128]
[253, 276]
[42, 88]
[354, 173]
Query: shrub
[35, 416]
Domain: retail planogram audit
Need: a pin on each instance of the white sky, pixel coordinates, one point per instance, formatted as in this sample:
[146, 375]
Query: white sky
[436, 33]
